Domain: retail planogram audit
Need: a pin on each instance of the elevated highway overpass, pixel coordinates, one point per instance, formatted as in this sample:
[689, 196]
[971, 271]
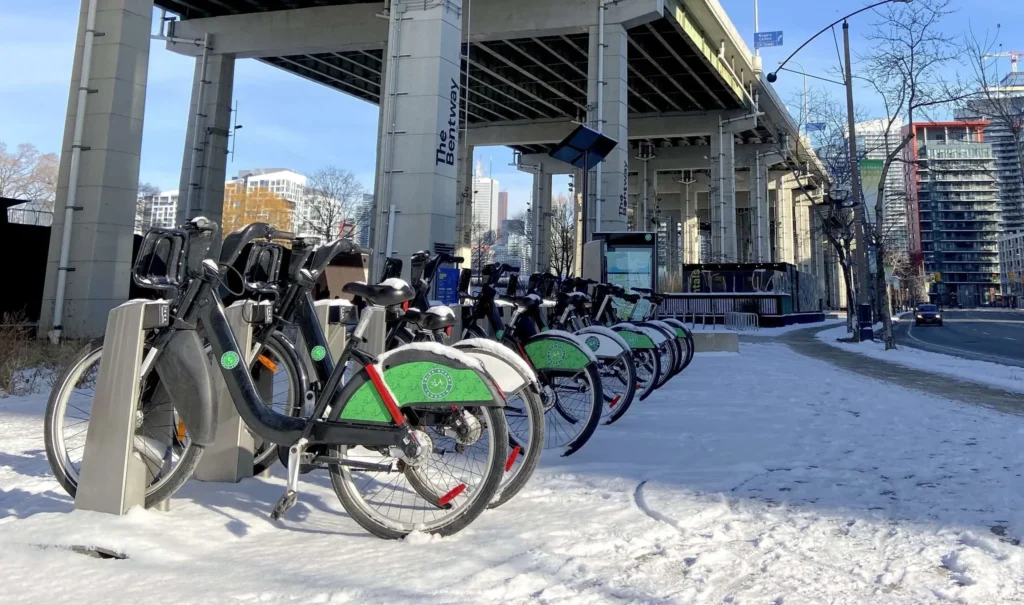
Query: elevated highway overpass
[450, 75]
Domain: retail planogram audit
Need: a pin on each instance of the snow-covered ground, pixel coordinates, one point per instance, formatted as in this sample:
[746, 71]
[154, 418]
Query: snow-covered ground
[763, 477]
[768, 331]
[991, 374]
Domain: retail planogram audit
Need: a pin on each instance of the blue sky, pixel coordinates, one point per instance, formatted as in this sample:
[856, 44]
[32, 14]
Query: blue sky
[294, 123]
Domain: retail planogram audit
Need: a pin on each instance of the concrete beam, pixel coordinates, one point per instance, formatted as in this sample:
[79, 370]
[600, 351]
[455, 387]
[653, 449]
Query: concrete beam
[698, 157]
[641, 126]
[347, 27]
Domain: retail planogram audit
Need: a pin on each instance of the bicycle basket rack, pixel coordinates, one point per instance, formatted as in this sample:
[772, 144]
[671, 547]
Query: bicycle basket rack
[160, 264]
[263, 267]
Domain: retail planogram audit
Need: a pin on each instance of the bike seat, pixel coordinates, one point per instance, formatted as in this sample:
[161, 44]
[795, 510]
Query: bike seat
[529, 301]
[434, 318]
[385, 294]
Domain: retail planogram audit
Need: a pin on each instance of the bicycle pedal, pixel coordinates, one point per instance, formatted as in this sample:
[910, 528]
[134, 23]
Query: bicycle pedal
[283, 505]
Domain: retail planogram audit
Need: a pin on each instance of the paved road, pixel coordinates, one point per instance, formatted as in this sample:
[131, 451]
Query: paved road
[996, 336]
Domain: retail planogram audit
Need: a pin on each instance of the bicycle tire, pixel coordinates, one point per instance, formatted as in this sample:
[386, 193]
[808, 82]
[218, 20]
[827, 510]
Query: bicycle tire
[181, 472]
[622, 406]
[283, 351]
[594, 417]
[466, 515]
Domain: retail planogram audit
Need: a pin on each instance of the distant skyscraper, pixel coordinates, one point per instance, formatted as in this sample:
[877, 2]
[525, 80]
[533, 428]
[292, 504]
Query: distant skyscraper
[485, 202]
[502, 207]
[363, 214]
[873, 142]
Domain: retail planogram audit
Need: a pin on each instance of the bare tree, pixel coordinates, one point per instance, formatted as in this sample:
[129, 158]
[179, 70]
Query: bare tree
[1002, 103]
[835, 216]
[563, 235]
[26, 174]
[483, 240]
[143, 200]
[331, 204]
[908, 53]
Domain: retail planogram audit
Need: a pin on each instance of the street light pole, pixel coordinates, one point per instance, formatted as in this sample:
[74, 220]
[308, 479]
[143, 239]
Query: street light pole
[863, 280]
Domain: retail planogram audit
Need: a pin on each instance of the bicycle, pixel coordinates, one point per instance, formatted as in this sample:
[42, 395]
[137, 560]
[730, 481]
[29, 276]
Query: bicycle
[402, 411]
[565, 366]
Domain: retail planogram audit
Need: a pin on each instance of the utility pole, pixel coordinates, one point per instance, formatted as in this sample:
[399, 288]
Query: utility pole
[863, 280]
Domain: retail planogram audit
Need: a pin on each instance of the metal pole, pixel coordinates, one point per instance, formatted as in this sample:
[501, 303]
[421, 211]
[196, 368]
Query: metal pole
[197, 128]
[76, 161]
[600, 111]
[862, 256]
[586, 199]
[757, 27]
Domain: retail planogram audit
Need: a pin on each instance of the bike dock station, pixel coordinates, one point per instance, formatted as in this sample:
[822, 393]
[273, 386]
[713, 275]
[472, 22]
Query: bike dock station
[113, 471]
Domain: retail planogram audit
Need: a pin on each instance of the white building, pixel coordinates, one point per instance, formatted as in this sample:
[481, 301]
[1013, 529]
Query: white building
[874, 144]
[161, 210]
[285, 184]
[485, 201]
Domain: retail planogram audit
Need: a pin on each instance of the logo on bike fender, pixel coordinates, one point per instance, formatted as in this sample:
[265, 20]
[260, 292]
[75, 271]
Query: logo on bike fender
[437, 383]
[230, 360]
[593, 343]
[318, 353]
[555, 353]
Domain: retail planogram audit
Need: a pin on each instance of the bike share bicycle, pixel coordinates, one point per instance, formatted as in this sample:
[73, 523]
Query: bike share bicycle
[400, 414]
[524, 407]
[567, 369]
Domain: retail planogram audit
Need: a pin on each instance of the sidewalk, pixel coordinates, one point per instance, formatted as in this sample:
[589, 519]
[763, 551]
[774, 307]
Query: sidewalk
[805, 343]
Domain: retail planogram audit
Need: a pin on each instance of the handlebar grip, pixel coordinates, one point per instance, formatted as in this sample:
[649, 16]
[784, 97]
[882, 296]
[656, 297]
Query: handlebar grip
[511, 269]
[285, 235]
[458, 260]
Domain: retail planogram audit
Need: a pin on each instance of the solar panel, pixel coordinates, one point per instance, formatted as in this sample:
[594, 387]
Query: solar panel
[583, 148]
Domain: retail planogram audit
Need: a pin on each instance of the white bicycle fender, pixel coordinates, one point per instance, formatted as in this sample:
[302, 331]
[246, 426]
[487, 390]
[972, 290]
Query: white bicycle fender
[508, 370]
[609, 344]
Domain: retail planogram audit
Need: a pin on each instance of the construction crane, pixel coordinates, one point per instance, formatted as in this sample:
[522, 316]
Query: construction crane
[1014, 56]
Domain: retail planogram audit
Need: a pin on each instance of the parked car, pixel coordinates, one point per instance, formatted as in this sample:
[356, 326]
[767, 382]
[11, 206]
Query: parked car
[927, 314]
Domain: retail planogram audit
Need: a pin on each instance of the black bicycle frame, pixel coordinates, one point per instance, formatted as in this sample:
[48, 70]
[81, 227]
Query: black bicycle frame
[207, 311]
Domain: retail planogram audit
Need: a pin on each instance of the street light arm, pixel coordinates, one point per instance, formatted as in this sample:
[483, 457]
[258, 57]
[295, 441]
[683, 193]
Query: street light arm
[772, 76]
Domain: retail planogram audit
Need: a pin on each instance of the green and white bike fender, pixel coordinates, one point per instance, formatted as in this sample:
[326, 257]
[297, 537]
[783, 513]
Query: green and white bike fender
[559, 350]
[638, 337]
[509, 371]
[421, 375]
[681, 331]
[604, 342]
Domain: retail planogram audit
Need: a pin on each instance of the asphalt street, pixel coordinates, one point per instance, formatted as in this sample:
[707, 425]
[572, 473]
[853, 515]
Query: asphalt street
[985, 335]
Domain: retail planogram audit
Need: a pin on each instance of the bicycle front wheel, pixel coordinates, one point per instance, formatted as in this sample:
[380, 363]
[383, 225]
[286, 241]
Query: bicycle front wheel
[572, 403]
[161, 437]
[441, 492]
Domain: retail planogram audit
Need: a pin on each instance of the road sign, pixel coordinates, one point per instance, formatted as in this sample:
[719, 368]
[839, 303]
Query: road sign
[447, 285]
[765, 39]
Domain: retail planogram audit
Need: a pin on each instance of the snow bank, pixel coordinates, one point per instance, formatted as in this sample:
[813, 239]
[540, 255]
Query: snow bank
[764, 477]
[983, 372]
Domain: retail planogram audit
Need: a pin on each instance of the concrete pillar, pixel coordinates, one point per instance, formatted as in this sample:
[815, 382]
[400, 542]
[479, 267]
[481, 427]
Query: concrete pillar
[541, 218]
[723, 197]
[421, 99]
[464, 203]
[100, 255]
[762, 247]
[201, 188]
[783, 222]
[614, 196]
